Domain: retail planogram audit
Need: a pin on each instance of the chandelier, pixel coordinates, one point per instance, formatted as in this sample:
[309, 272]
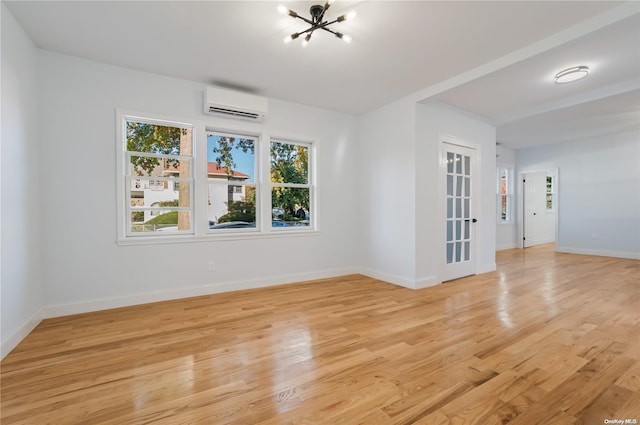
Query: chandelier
[317, 22]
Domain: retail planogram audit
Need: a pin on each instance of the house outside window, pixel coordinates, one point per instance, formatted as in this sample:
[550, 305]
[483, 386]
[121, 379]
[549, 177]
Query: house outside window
[232, 184]
[505, 195]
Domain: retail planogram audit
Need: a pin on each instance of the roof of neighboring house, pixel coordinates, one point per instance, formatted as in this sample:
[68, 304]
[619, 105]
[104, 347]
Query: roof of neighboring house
[213, 169]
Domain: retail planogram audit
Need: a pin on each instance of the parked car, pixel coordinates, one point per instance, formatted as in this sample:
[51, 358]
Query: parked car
[233, 225]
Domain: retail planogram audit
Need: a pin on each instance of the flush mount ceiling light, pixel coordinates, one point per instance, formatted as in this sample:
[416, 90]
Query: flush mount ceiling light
[572, 74]
[317, 22]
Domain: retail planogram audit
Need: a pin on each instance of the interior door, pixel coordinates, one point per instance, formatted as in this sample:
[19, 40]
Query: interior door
[459, 246]
[534, 209]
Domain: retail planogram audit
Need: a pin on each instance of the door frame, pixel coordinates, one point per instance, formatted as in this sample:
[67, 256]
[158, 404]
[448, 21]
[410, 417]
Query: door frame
[520, 197]
[476, 186]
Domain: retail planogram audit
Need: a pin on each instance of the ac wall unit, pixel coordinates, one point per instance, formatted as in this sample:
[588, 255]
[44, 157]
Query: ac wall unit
[233, 104]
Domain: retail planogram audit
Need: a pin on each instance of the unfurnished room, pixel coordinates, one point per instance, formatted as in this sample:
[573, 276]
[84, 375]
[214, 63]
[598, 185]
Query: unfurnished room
[320, 212]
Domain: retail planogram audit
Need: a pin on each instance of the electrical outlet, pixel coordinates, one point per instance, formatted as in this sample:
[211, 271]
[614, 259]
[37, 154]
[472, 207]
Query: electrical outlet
[212, 266]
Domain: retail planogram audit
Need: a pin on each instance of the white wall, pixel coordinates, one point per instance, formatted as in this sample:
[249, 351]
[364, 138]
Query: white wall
[85, 268]
[506, 233]
[22, 207]
[598, 192]
[433, 120]
[387, 193]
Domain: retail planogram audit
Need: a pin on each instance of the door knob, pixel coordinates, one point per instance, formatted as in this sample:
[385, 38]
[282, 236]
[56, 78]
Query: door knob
[474, 220]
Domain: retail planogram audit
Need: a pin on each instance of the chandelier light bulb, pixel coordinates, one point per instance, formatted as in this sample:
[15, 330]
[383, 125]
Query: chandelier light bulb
[283, 10]
[351, 15]
[346, 38]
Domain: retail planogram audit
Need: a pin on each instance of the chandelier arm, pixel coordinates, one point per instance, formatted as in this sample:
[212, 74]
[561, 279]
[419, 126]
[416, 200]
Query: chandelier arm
[308, 21]
[329, 30]
[327, 5]
[310, 29]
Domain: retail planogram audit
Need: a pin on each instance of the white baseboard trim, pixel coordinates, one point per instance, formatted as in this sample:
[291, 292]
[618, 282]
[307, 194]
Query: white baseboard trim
[506, 246]
[599, 252]
[87, 306]
[426, 282]
[30, 324]
[406, 282]
[485, 268]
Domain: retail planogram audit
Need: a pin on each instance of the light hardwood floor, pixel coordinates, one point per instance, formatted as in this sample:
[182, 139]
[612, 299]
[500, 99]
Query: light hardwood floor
[547, 339]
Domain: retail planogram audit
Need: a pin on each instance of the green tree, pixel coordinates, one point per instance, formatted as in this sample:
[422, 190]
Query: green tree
[224, 150]
[151, 138]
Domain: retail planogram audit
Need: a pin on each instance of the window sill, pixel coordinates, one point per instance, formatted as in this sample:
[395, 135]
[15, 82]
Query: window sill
[160, 240]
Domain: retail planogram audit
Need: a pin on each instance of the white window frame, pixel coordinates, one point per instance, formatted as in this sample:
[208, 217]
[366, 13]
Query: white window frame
[199, 182]
[125, 179]
[311, 185]
[509, 180]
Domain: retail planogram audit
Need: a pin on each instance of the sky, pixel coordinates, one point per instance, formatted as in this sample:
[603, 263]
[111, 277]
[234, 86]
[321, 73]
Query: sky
[244, 161]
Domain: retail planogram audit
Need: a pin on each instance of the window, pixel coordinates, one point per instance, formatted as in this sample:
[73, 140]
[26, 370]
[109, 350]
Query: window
[291, 189]
[236, 184]
[549, 194]
[505, 195]
[156, 152]
[232, 186]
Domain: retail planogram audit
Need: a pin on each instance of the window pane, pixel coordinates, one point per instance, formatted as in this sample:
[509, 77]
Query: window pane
[458, 251]
[467, 208]
[459, 186]
[449, 185]
[467, 248]
[449, 207]
[503, 207]
[449, 230]
[163, 222]
[231, 158]
[458, 208]
[231, 202]
[450, 253]
[159, 183]
[467, 186]
[450, 162]
[466, 229]
[458, 230]
[290, 207]
[231, 206]
[458, 164]
[467, 165]
[158, 139]
[289, 163]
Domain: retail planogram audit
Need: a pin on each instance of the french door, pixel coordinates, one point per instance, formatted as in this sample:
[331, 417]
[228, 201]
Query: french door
[459, 248]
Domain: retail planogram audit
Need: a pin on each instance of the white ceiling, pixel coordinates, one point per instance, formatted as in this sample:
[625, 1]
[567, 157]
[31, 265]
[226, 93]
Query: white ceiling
[399, 48]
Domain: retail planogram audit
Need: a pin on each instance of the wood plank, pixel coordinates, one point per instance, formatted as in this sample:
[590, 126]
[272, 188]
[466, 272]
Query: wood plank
[549, 338]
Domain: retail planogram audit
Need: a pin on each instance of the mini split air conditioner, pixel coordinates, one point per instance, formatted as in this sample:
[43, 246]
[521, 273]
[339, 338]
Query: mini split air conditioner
[233, 104]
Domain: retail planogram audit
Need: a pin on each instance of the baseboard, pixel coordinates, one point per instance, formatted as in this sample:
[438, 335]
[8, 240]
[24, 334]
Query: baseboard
[599, 252]
[506, 246]
[30, 324]
[387, 277]
[87, 306]
[485, 268]
[426, 282]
